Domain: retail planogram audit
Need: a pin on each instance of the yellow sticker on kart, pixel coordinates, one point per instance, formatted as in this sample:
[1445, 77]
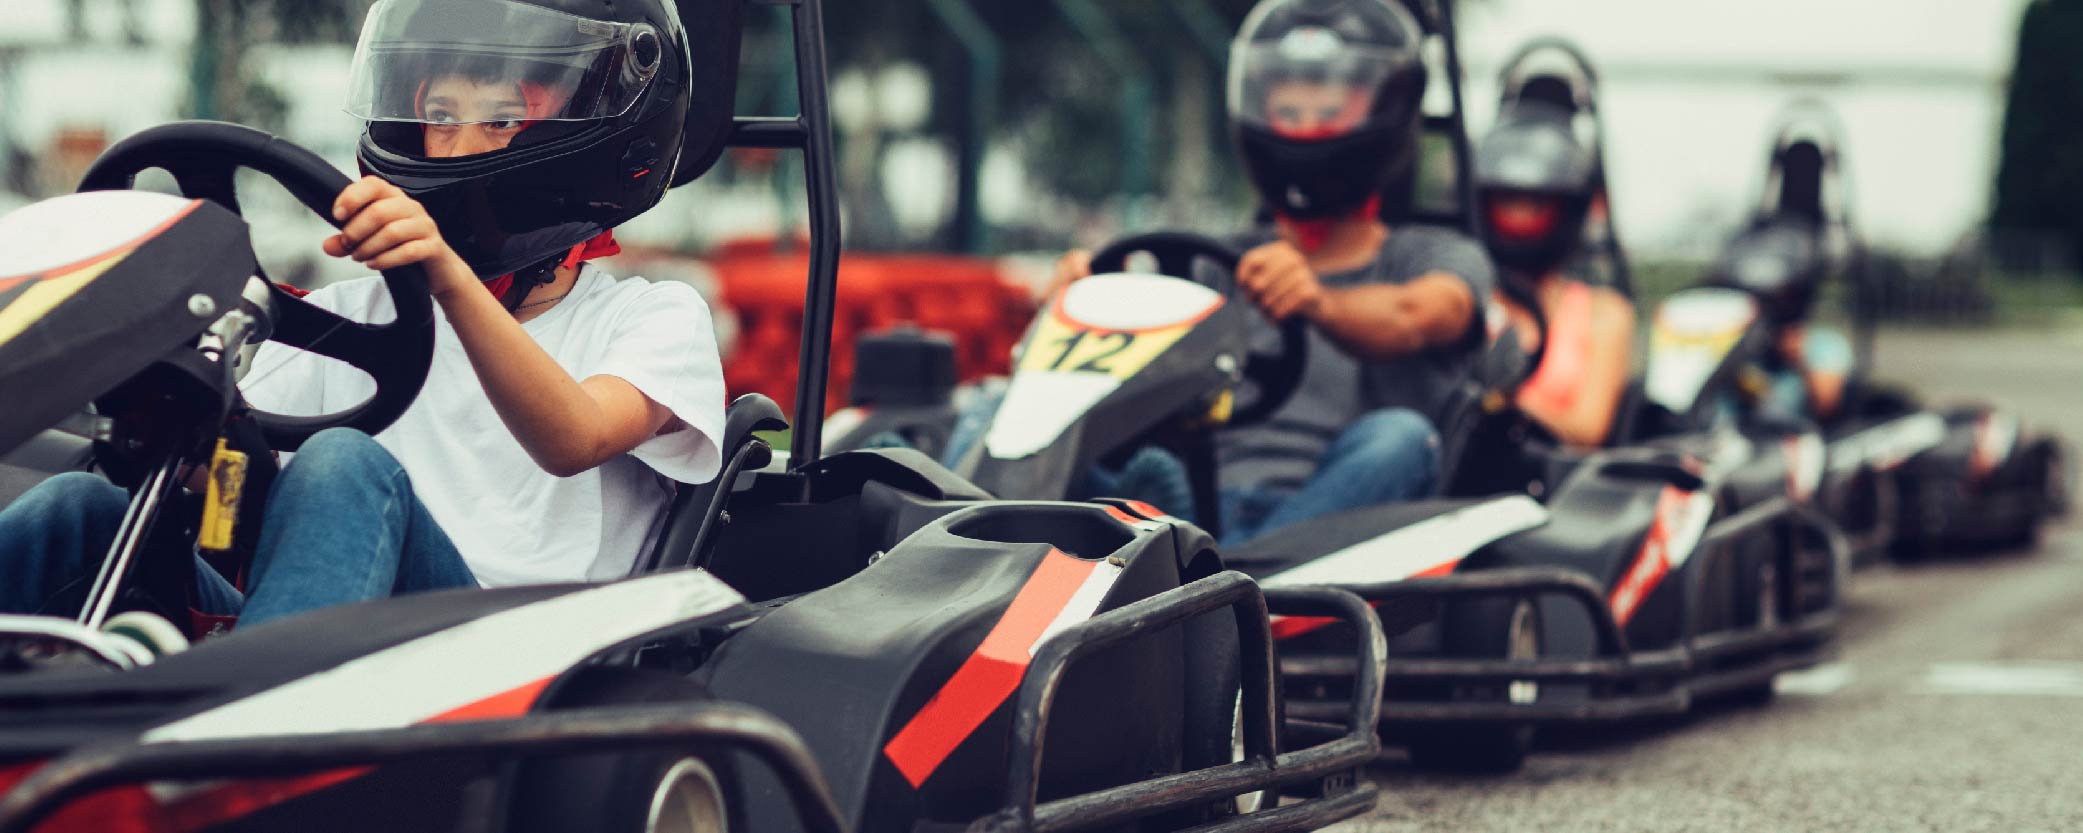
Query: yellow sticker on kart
[1115, 324]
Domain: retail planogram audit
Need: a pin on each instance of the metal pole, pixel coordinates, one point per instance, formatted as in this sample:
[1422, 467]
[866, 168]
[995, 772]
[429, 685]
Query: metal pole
[814, 366]
[983, 50]
[1464, 165]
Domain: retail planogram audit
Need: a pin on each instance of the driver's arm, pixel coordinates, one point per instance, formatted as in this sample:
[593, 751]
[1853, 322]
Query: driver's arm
[566, 425]
[1380, 322]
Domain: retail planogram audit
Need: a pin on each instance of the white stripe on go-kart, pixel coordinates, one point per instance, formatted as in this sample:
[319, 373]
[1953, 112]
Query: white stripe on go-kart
[1082, 604]
[1889, 444]
[1420, 548]
[412, 682]
[1039, 405]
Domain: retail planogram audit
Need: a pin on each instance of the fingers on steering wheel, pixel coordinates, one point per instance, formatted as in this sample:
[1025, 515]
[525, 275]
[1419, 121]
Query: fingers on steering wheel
[374, 218]
[409, 228]
[360, 194]
[412, 252]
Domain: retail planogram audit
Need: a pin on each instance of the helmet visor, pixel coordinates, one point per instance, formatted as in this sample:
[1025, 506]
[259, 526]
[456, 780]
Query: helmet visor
[1521, 218]
[496, 61]
[1310, 83]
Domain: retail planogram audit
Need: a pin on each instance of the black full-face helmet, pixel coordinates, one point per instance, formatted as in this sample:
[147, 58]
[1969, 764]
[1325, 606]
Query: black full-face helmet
[605, 103]
[1324, 102]
[1537, 174]
[1801, 235]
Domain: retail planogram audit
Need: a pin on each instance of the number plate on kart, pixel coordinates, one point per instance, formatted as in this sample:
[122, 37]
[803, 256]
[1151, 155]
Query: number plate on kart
[1115, 324]
[1694, 331]
[1100, 332]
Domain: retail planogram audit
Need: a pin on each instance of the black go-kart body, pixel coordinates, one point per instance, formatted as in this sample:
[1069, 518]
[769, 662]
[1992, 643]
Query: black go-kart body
[856, 642]
[1645, 578]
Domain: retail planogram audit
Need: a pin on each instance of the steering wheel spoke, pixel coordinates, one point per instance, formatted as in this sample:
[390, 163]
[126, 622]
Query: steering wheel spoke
[203, 156]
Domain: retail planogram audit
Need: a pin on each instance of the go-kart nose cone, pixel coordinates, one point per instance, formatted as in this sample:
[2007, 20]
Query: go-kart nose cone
[105, 283]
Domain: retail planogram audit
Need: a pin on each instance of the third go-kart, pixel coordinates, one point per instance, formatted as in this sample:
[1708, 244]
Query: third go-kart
[858, 642]
[1962, 476]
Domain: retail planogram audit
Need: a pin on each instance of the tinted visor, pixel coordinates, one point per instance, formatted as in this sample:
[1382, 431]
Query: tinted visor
[1521, 217]
[1310, 83]
[551, 66]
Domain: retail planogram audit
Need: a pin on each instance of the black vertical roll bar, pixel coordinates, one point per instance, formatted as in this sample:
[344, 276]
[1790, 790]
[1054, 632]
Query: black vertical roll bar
[811, 132]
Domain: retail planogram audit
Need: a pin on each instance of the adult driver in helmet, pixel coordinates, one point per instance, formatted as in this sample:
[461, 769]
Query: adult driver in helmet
[1538, 183]
[1324, 106]
[505, 139]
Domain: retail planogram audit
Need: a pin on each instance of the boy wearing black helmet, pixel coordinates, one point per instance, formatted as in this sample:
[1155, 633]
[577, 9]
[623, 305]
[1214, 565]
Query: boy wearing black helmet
[1324, 102]
[505, 139]
[1539, 179]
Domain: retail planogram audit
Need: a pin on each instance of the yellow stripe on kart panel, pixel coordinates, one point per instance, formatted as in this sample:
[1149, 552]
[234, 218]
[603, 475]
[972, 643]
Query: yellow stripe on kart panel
[44, 295]
[1058, 344]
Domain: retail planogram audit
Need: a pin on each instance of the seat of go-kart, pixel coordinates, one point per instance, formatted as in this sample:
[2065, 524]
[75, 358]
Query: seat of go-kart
[46, 711]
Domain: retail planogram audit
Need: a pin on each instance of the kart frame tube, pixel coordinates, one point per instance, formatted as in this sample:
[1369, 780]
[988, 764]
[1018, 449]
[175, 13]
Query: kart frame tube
[1685, 668]
[567, 732]
[1263, 767]
[810, 131]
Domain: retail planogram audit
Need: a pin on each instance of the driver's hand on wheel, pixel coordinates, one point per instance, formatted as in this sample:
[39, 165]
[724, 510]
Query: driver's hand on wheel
[1276, 276]
[385, 229]
[1073, 265]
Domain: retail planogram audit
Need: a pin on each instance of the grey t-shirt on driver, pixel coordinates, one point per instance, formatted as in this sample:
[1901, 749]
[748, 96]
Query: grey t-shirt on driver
[1337, 389]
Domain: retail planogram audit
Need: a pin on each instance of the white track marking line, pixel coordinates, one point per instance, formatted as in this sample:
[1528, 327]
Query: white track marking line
[1820, 681]
[2031, 678]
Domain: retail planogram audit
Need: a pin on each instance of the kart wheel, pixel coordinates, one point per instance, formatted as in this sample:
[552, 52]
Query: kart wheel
[642, 792]
[1487, 628]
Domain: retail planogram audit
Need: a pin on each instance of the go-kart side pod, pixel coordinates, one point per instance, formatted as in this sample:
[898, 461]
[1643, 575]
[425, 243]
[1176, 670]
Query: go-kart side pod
[1050, 666]
[381, 715]
[1643, 598]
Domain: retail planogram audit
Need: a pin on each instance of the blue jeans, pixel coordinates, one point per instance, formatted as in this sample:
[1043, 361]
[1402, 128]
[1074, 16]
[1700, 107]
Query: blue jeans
[342, 525]
[1387, 456]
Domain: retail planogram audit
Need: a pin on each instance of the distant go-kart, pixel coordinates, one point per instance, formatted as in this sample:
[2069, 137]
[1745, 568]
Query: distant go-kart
[861, 642]
[1960, 477]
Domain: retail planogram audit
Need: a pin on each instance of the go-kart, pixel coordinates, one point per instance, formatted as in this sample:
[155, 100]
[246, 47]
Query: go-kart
[1963, 476]
[858, 642]
[1650, 577]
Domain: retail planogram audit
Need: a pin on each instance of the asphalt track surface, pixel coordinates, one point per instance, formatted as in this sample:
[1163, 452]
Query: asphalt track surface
[1955, 700]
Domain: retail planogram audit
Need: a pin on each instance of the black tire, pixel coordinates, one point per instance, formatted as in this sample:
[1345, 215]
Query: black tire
[1213, 709]
[1483, 628]
[621, 792]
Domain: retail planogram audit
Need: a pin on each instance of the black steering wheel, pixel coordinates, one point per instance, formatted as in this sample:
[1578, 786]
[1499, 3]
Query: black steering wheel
[202, 155]
[1277, 375]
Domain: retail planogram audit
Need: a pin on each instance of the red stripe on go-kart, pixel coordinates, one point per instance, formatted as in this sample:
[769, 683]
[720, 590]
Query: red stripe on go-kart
[990, 674]
[135, 808]
[1653, 561]
[1285, 627]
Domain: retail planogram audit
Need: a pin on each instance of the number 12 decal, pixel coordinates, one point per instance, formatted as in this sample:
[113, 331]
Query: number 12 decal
[1095, 351]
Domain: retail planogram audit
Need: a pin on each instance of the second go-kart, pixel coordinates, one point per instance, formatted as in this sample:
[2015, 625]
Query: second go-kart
[861, 642]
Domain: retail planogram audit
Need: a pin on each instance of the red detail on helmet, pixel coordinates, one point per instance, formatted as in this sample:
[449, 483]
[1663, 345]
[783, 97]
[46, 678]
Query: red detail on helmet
[1311, 234]
[1522, 217]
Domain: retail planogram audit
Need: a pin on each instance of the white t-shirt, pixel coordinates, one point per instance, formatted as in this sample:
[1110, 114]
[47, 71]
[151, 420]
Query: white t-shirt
[513, 522]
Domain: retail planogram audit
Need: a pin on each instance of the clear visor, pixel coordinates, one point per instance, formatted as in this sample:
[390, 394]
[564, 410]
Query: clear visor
[496, 61]
[1309, 83]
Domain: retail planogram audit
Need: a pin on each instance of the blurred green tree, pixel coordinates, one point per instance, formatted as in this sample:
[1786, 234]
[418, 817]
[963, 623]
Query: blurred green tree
[2040, 173]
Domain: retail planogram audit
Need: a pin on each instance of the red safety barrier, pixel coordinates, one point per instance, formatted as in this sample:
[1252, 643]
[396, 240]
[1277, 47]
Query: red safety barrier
[970, 298]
